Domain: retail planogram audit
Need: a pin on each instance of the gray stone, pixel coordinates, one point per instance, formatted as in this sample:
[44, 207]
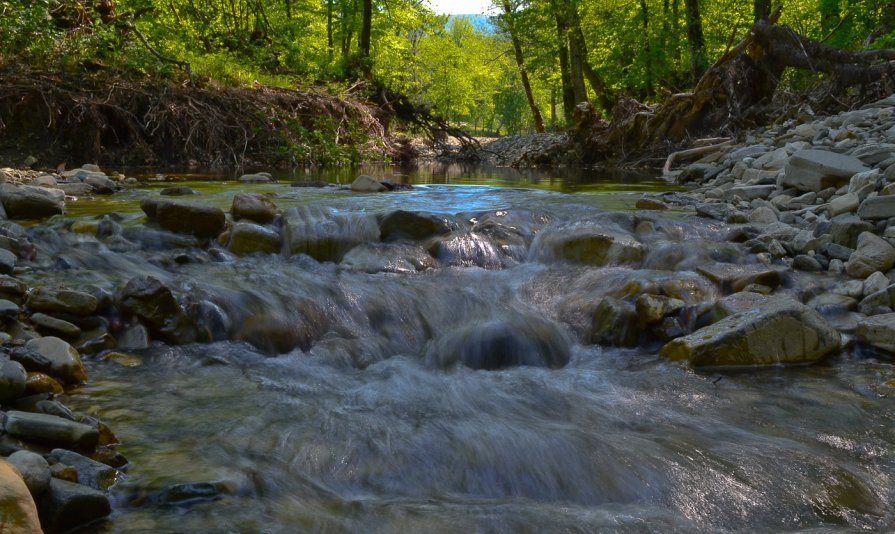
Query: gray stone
[873, 154]
[101, 184]
[34, 469]
[97, 475]
[44, 299]
[48, 325]
[259, 178]
[44, 180]
[414, 226]
[54, 357]
[134, 337]
[8, 309]
[589, 245]
[25, 202]
[183, 217]
[652, 309]
[254, 207]
[847, 203]
[733, 277]
[751, 151]
[763, 215]
[804, 262]
[388, 258]
[878, 332]
[845, 229]
[324, 234]
[872, 254]
[875, 282]
[148, 299]
[751, 192]
[249, 238]
[781, 331]
[12, 380]
[177, 191]
[736, 303]
[66, 505]
[76, 189]
[50, 429]
[813, 170]
[367, 184]
[878, 207]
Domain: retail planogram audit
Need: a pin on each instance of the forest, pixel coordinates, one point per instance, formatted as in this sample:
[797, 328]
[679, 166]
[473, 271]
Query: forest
[521, 69]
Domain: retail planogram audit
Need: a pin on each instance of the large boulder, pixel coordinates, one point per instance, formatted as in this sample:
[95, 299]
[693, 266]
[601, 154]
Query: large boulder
[254, 207]
[248, 238]
[18, 513]
[615, 323]
[367, 184]
[873, 254]
[146, 298]
[815, 170]
[781, 331]
[43, 299]
[185, 217]
[26, 202]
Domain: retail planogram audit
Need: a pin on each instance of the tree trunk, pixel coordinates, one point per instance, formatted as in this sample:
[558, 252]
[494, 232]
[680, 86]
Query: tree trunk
[366, 29]
[647, 47]
[329, 28]
[761, 9]
[576, 59]
[696, 40]
[520, 61]
[562, 33]
[604, 95]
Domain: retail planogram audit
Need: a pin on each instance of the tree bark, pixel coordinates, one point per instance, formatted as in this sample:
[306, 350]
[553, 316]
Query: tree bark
[576, 54]
[647, 47]
[604, 95]
[520, 61]
[761, 9]
[366, 28]
[696, 40]
[562, 34]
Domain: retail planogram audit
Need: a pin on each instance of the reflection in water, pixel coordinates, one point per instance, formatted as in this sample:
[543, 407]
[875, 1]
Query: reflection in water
[370, 425]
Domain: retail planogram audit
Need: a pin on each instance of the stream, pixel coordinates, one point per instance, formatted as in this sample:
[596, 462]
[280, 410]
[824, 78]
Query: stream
[372, 425]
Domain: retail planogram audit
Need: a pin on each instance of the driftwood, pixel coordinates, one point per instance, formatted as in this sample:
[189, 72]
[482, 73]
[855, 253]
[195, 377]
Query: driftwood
[691, 152]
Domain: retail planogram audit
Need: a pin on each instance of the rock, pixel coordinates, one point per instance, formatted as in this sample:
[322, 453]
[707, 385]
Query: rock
[781, 331]
[101, 184]
[813, 170]
[183, 217]
[736, 303]
[177, 191]
[324, 234]
[50, 429]
[615, 323]
[367, 184]
[588, 245]
[804, 262]
[34, 469]
[52, 356]
[878, 332]
[26, 202]
[43, 299]
[123, 359]
[502, 343]
[9, 309]
[76, 189]
[18, 513]
[152, 238]
[12, 286]
[37, 383]
[84, 227]
[258, 178]
[845, 229]
[872, 154]
[134, 337]
[12, 380]
[91, 473]
[872, 254]
[733, 277]
[254, 207]
[879, 207]
[66, 505]
[750, 192]
[153, 303]
[50, 326]
[652, 309]
[763, 215]
[650, 204]
[847, 203]
[388, 258]
[413, 226]
[312, 183]
[875, 282]
[248, 238]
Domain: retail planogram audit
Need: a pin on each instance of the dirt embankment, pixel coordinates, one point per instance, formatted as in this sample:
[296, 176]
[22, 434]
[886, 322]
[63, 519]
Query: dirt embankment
[58, 117]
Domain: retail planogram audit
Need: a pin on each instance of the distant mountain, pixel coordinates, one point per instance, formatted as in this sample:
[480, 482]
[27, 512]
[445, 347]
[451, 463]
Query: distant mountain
[479, 21]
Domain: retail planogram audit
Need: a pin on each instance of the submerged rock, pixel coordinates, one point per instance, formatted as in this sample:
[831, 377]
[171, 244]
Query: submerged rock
[325, 235]
[615, 323]
[588, 245]
[502, 343]
[367, 184]
[153, 303]
[781, 331]
[413, 226]
[183, 217]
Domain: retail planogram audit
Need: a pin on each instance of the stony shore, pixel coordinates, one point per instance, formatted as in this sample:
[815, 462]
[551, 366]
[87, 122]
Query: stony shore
[808, 200]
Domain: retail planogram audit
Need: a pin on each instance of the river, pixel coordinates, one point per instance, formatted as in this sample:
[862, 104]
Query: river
[374, 426]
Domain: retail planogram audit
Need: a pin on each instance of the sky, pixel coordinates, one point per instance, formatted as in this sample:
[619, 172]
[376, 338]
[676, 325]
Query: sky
[460, 7]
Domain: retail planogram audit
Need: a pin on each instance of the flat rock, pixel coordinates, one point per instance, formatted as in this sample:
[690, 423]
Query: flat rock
[878, 207]
[50, 429]
[54, 357]
[814, 170]
[781, 331]
[43, 299]
[734, 277]
[51, 326]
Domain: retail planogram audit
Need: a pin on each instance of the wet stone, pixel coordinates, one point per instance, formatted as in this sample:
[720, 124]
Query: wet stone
[249, 238]
[52, 356]
[153, 303]
[19, 513]
[66, 505]
[734, 277]
[254, 207]
[615, 323]
[97, 475]
[177, 191]
[48, 325]
[12, 380]
[413, 225]
[37, 383]
[48, 300]
[878, 332]
[34, 469]
[50, 429]
[8, 309]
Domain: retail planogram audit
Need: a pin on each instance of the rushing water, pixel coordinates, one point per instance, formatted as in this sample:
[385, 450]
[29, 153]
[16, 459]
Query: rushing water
[372, 428]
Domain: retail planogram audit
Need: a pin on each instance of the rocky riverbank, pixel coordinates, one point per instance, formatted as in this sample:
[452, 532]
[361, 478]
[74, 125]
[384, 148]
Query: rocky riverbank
[780, 253]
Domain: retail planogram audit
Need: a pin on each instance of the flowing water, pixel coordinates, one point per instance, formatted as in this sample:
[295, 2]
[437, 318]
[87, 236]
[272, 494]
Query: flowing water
[372, 425]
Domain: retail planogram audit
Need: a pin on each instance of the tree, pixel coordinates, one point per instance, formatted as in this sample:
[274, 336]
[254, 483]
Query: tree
[509, 11]
[696, 40]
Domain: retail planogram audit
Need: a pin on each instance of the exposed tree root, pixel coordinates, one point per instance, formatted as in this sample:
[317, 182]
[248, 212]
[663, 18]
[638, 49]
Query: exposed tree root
[149, 122]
